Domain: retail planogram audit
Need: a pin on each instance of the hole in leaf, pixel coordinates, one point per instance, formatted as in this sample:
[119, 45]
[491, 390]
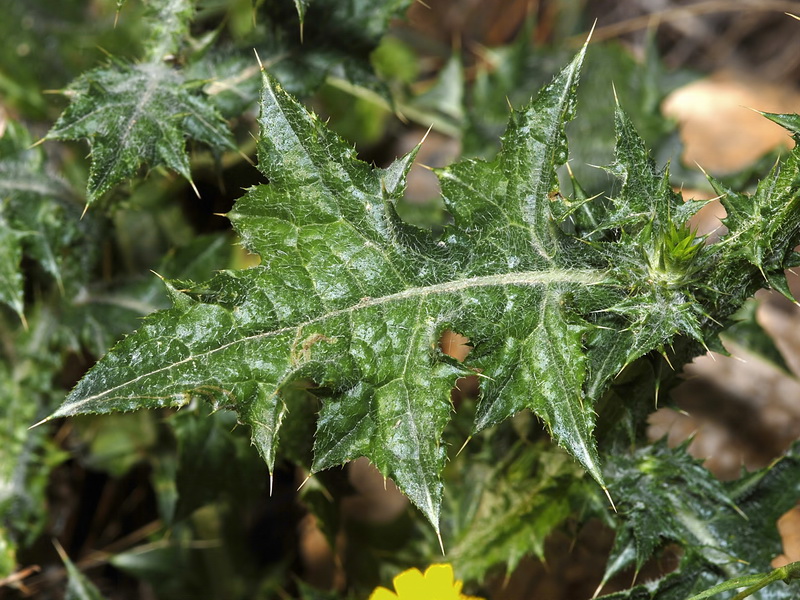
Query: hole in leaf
[457, 346]
[454, 345]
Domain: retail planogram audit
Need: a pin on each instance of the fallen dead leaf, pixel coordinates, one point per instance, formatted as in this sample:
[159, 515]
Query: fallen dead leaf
[789, 528]
[718, 129]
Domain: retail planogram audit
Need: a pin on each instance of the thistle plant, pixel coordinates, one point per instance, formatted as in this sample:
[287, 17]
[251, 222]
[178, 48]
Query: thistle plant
[328, 349]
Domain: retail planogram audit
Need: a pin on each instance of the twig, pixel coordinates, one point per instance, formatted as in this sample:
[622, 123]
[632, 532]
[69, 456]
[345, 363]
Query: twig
[673, 14]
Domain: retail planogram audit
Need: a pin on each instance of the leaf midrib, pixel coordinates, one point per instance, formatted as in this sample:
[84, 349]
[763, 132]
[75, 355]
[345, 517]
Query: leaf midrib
[522, 278]
[539, 175]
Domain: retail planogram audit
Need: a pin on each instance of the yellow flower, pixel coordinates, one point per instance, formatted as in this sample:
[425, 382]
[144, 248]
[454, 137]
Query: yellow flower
[437, 583]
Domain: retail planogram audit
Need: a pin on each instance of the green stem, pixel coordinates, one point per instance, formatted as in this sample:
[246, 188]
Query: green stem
[786, 573]
[755, 582]
[402, 110]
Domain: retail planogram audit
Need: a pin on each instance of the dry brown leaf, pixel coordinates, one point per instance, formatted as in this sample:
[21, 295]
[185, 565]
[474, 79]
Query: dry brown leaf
[718, 130]
[789, 528]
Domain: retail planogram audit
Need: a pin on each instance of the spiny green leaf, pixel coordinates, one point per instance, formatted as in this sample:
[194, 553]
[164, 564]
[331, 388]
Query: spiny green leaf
[351, 300]
[514, 72]
[747, 333]
[137, 114]
[374, 269]
[726, 530]
[761, 227]
[302, 6]
[503, 224]
[512, 505]
[39, 216]
[790, 122]
[661, 492]
[648, 218]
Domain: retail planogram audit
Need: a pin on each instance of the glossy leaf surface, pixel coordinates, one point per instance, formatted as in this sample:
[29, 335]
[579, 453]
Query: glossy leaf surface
[134, 115]
[143, 113]
[351, 300]
[726, 530]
